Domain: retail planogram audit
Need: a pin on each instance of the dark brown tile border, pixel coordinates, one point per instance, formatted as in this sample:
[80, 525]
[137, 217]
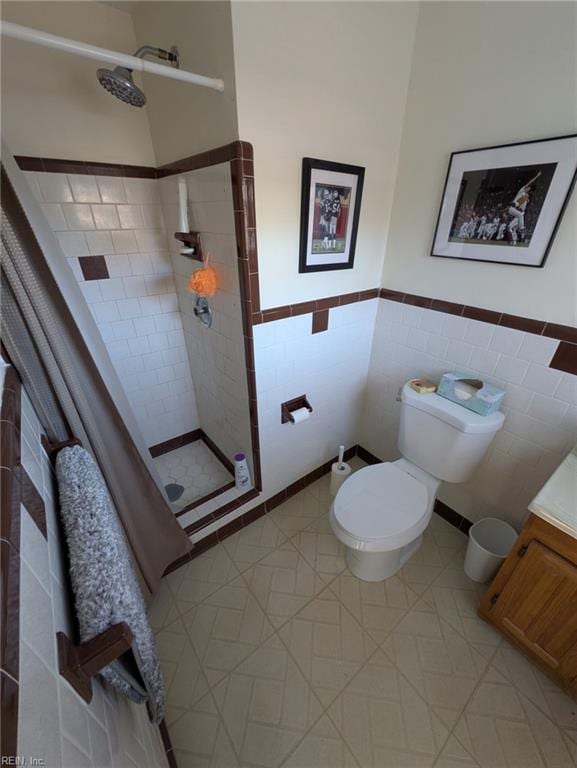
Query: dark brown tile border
[10, 610]
[240, 150]
[10, 564]
[367, 456]
[209, 541]
[237, 150]
[320, 320]
[175, 442]
[565, 358]
[418, 301]
[385, 293]
[483, 315]
[523, 324]
[93, 267]
[34, 503]
[10, 493]
[448, 307]
[88, 168]
[224, 460]
[9, 710]
[538, 327]
[208, 497]
[167, 744]
[310, 307]
[240, 156]
[561, 332]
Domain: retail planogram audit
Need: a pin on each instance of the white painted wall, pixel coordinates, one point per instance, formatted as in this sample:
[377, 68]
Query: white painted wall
[186, 119]
[483, 74]
[52, 103]
[324, 81]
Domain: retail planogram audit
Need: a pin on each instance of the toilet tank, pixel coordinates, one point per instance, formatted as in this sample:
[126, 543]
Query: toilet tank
[445, 439]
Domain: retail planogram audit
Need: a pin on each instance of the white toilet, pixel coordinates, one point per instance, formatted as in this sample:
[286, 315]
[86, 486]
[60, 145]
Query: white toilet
[381, 511]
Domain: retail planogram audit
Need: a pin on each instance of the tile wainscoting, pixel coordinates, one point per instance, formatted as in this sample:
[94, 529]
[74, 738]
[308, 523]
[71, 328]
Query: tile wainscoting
[540, 403]
[42, 716]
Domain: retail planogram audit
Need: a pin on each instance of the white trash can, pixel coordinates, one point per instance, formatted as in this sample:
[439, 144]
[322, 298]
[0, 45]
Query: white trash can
[490, 541]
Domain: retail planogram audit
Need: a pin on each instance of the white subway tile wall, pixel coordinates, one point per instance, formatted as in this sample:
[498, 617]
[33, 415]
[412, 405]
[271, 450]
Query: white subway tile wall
[540, 404]
[137, 308]
[54, 723]
[218, 369]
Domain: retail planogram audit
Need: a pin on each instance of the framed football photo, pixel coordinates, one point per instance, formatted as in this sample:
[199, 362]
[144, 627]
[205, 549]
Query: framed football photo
[504, 204]
[330, 208]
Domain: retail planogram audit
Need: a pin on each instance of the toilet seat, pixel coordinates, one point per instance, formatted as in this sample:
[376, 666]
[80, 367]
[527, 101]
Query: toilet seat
[380, 508]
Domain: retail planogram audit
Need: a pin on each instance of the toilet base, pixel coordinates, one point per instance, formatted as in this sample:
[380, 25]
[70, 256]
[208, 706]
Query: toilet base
[378, 566]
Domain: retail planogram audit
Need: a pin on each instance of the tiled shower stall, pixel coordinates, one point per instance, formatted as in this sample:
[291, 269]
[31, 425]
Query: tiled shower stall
[182, 380]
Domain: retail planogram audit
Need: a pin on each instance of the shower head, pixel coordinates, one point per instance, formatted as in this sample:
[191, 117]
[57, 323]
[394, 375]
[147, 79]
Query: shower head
[119, 83]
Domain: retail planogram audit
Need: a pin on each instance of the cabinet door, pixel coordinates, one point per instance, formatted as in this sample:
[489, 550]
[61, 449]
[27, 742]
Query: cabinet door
[538, 608]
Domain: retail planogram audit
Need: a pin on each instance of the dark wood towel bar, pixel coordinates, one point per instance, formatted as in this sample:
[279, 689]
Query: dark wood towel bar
[78, 664]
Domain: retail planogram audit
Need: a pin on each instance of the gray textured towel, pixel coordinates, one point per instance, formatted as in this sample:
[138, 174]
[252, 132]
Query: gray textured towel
[106, 590]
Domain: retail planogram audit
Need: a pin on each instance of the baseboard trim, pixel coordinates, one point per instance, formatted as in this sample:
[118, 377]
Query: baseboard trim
[454, 518]
[167, 744]
[367, 456]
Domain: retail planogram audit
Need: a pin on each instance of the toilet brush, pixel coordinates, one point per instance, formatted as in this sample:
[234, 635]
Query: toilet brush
[340, 470]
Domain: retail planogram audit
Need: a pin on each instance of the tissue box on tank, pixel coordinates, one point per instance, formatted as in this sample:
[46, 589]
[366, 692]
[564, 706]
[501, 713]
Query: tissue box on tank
[477, 396]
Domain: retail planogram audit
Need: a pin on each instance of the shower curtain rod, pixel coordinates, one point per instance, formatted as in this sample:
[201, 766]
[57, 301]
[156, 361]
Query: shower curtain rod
[37, 36]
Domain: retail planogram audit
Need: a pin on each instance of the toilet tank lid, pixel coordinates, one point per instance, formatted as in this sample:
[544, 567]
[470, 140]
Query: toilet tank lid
[456, 415]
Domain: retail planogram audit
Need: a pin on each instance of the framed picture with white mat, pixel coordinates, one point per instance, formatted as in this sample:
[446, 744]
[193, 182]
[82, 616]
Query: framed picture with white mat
[504, 204]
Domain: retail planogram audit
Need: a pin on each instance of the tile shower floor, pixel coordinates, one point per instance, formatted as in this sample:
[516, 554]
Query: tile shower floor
[274, 654]
[196, 468]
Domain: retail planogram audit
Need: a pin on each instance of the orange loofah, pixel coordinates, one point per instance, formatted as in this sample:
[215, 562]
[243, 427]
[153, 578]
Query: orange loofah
[204, 281]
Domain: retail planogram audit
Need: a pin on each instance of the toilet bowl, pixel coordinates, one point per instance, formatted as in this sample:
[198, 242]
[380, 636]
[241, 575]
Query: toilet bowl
[381, 511]
[379, 514]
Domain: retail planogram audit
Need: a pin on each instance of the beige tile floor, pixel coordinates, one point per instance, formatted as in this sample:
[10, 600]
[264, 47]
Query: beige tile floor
[274, 654]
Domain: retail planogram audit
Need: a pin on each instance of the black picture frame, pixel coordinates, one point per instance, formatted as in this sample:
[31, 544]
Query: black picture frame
[560, 207]
[308, 166]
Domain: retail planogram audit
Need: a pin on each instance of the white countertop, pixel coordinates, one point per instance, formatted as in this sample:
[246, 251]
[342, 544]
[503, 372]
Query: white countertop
[556, 502]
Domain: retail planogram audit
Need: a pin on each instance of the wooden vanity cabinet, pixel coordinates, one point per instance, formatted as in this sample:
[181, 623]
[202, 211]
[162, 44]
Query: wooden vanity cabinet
[533, 600]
